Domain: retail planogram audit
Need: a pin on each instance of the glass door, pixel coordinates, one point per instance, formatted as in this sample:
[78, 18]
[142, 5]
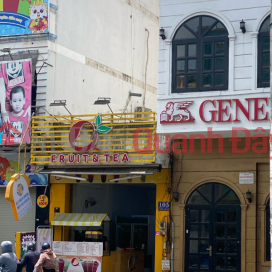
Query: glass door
[213, 230]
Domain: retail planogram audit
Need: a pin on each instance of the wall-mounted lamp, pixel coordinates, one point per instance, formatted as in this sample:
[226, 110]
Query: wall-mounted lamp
[162, 35]
[249, 196]
[58, 103]
[6, 50]
[135, 94]
[90, 201]
[176, 196]
[103, 101]
[143, 178]
[125, 178]
[243, 26]
[70, 177]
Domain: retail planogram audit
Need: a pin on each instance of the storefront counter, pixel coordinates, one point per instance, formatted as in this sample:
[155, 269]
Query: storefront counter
[106, 261]
[122, 260]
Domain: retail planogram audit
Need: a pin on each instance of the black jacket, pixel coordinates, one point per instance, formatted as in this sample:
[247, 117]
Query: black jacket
[29, 260]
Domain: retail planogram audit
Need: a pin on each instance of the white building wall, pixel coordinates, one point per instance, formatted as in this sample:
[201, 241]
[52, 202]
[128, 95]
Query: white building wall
[242, 56]
[103, 50]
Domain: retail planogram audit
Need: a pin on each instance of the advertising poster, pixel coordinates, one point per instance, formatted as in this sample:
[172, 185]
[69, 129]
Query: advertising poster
[17, 193]
[69, 263]
[9, 166]
[15, 101]
[18, 17]
[26, 238]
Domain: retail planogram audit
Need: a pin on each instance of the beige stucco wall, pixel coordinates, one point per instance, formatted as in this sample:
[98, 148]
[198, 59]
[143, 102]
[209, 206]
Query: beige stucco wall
[197, 168]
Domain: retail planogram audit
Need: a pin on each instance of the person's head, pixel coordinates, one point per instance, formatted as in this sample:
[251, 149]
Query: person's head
[45, 246]
[31, 246]
[17, 98]
[6, 246]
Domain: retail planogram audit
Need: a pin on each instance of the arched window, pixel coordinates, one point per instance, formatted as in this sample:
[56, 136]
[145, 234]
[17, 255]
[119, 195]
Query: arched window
[264, 54]
[200, 56]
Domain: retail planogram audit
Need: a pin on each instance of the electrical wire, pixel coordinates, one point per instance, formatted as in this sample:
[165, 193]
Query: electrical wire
[147, 57]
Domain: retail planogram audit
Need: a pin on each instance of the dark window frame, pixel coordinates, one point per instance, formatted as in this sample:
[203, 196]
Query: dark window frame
[260, 66]
[199, 40]
[267, 232]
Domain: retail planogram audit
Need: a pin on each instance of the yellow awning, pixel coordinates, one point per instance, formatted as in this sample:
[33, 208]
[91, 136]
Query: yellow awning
[79, 219]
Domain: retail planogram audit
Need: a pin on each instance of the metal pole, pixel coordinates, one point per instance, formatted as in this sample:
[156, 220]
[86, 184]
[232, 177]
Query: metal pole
[172, 246]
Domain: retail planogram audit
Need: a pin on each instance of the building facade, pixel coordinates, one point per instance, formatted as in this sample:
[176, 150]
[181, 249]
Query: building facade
[82, 52]
[213, 100]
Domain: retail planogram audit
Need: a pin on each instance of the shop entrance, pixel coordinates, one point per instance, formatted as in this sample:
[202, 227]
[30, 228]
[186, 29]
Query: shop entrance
[131, 208]
[213, 230]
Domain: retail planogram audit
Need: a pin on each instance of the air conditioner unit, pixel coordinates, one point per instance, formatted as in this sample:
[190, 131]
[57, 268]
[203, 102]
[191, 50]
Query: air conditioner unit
[139, 111]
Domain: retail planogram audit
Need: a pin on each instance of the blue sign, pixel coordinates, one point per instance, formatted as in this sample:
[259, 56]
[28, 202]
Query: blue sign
[164, 205]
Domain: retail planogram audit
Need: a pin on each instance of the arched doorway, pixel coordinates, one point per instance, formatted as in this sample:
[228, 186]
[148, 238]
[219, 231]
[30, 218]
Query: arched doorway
[213, 229]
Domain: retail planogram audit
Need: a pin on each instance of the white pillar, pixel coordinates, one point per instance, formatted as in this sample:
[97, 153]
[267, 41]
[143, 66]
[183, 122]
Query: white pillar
[231, 62]
[254, 38]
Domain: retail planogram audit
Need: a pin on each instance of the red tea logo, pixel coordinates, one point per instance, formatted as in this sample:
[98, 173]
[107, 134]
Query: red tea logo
[76, 129]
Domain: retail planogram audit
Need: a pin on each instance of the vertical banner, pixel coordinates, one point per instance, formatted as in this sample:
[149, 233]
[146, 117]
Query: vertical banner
[15, 101]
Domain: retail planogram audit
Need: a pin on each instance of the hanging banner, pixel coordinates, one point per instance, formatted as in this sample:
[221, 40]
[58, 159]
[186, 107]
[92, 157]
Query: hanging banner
[18, 194]
[18, 17]
[15, 86]
[9, 166]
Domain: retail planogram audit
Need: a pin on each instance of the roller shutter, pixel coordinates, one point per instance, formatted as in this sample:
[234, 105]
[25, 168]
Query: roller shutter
[8, 226]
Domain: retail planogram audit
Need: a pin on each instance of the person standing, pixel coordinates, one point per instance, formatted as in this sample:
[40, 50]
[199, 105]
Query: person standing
[47, 261]
[30, 258]
[8, 259]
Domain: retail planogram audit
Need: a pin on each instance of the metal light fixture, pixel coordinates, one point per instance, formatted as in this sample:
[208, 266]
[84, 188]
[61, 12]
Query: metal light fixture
[135, 94]
[176, 196]
[90, 201]
[58, 103]
[69, 177]
[243, 26]
[249, 196]
[6, 50]
[124, 178]
[103, 101]
[162, 35]
[143, 178]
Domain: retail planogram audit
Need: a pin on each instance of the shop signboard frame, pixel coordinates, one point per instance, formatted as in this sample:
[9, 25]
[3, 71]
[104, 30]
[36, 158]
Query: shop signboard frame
[103, 139]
